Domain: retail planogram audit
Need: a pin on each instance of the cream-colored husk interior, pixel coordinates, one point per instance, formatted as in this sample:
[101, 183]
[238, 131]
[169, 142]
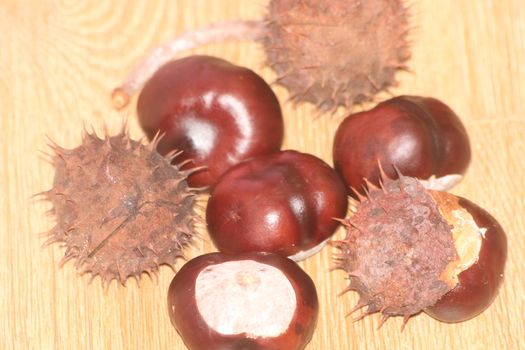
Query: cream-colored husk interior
[466, 234]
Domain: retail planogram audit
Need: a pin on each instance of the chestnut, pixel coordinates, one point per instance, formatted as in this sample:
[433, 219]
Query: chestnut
[421, 136]
[217, 113]
[409, 249]
[478, 284]
[284, 203]
[238, 302]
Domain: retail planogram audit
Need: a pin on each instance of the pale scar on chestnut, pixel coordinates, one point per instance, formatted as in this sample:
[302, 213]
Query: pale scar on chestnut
[252, 300]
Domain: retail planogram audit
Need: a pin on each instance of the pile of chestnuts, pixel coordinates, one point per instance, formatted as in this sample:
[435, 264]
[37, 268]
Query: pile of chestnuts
[409, 247]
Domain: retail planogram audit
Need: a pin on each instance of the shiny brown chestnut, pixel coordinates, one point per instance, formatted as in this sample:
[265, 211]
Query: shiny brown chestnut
[409, 249]
[217, 113]
[254, 301]
[285, 203]
[421, 136]
[478, 284]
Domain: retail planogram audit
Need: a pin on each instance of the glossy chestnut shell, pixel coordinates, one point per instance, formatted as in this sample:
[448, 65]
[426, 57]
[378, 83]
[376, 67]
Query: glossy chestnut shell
[479, 284]
[421, 136]
[284, 203]
[187, 317]
[217, 113]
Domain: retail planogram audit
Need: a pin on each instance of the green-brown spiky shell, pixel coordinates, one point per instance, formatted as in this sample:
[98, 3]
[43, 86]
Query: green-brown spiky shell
[120, 207]
[336, 53]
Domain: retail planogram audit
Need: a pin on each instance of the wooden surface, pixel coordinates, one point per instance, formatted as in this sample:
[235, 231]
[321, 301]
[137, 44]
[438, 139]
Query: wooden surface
[59, 59]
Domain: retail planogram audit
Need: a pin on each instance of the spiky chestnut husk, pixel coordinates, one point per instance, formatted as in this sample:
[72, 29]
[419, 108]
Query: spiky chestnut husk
[329, 52]
[336, 53]
[408, 249]
[120, 207]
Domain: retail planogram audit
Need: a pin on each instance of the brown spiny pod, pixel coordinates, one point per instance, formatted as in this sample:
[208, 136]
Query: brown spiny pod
[336, 53]
[408, 250]
[331, 53]
[120, 207]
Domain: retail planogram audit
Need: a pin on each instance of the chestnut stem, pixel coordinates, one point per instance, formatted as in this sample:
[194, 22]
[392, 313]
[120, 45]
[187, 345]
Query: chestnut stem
[234, 29]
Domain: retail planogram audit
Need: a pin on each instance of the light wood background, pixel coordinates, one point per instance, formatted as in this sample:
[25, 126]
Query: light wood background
[59, 59]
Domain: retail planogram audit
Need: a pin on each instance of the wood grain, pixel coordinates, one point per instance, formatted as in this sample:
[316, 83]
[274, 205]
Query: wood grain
[59, 59]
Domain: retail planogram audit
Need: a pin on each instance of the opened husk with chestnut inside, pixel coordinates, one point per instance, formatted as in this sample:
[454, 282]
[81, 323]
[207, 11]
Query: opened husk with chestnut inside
[405, 247]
